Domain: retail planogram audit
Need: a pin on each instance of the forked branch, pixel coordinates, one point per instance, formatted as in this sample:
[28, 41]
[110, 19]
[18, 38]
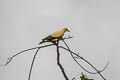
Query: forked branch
[59, 64]
[71, 52]
[32, 64]
[11, 58]
[58, 59]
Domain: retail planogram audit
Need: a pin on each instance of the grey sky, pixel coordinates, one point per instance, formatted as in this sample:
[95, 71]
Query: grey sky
[94, 24]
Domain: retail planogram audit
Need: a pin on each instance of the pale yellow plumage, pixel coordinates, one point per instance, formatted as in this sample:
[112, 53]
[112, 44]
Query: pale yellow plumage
[58, 33]
[55, 36]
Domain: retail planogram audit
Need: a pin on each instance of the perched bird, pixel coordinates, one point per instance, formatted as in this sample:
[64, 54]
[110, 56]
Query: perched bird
[56, 36]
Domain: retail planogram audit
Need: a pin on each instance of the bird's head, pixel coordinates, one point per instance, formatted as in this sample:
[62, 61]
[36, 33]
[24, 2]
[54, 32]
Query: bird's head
[65, 29]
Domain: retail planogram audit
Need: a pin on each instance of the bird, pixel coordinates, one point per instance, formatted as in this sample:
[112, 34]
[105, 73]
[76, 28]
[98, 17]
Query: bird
[54, 37]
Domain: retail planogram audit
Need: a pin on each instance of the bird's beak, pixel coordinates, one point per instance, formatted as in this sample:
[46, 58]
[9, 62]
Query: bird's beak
[68, 30]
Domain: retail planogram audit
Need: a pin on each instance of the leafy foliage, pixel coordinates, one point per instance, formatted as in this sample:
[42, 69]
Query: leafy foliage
[84, 77]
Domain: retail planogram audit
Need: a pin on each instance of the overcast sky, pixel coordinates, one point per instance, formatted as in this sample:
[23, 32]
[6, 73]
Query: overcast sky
[94, 24]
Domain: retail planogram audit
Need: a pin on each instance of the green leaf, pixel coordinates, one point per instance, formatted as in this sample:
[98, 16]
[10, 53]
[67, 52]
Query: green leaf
[83, 77]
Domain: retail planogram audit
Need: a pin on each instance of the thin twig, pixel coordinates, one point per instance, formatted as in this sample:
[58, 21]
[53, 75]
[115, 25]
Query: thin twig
[82, 59]
[78, 62]
[59, 64]
[86, 60]
[32, 63]
[76, 55]
[10, 59]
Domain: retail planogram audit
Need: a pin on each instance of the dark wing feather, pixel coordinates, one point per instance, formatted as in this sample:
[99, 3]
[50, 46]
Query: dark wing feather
[49, 38]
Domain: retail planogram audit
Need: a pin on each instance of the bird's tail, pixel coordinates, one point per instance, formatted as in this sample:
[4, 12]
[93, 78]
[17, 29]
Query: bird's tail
[41, 42]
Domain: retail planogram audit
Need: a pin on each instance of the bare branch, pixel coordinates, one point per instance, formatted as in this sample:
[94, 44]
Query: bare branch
[69, 37]
[33, 63]
[99, 72]
[104, 67]
[76, 60]
[59, 64]
[58, 59]
[10, 59]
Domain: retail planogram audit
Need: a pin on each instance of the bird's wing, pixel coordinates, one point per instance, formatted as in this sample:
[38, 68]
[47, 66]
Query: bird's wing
[54, 36]
[58, 34]
[50, 38]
